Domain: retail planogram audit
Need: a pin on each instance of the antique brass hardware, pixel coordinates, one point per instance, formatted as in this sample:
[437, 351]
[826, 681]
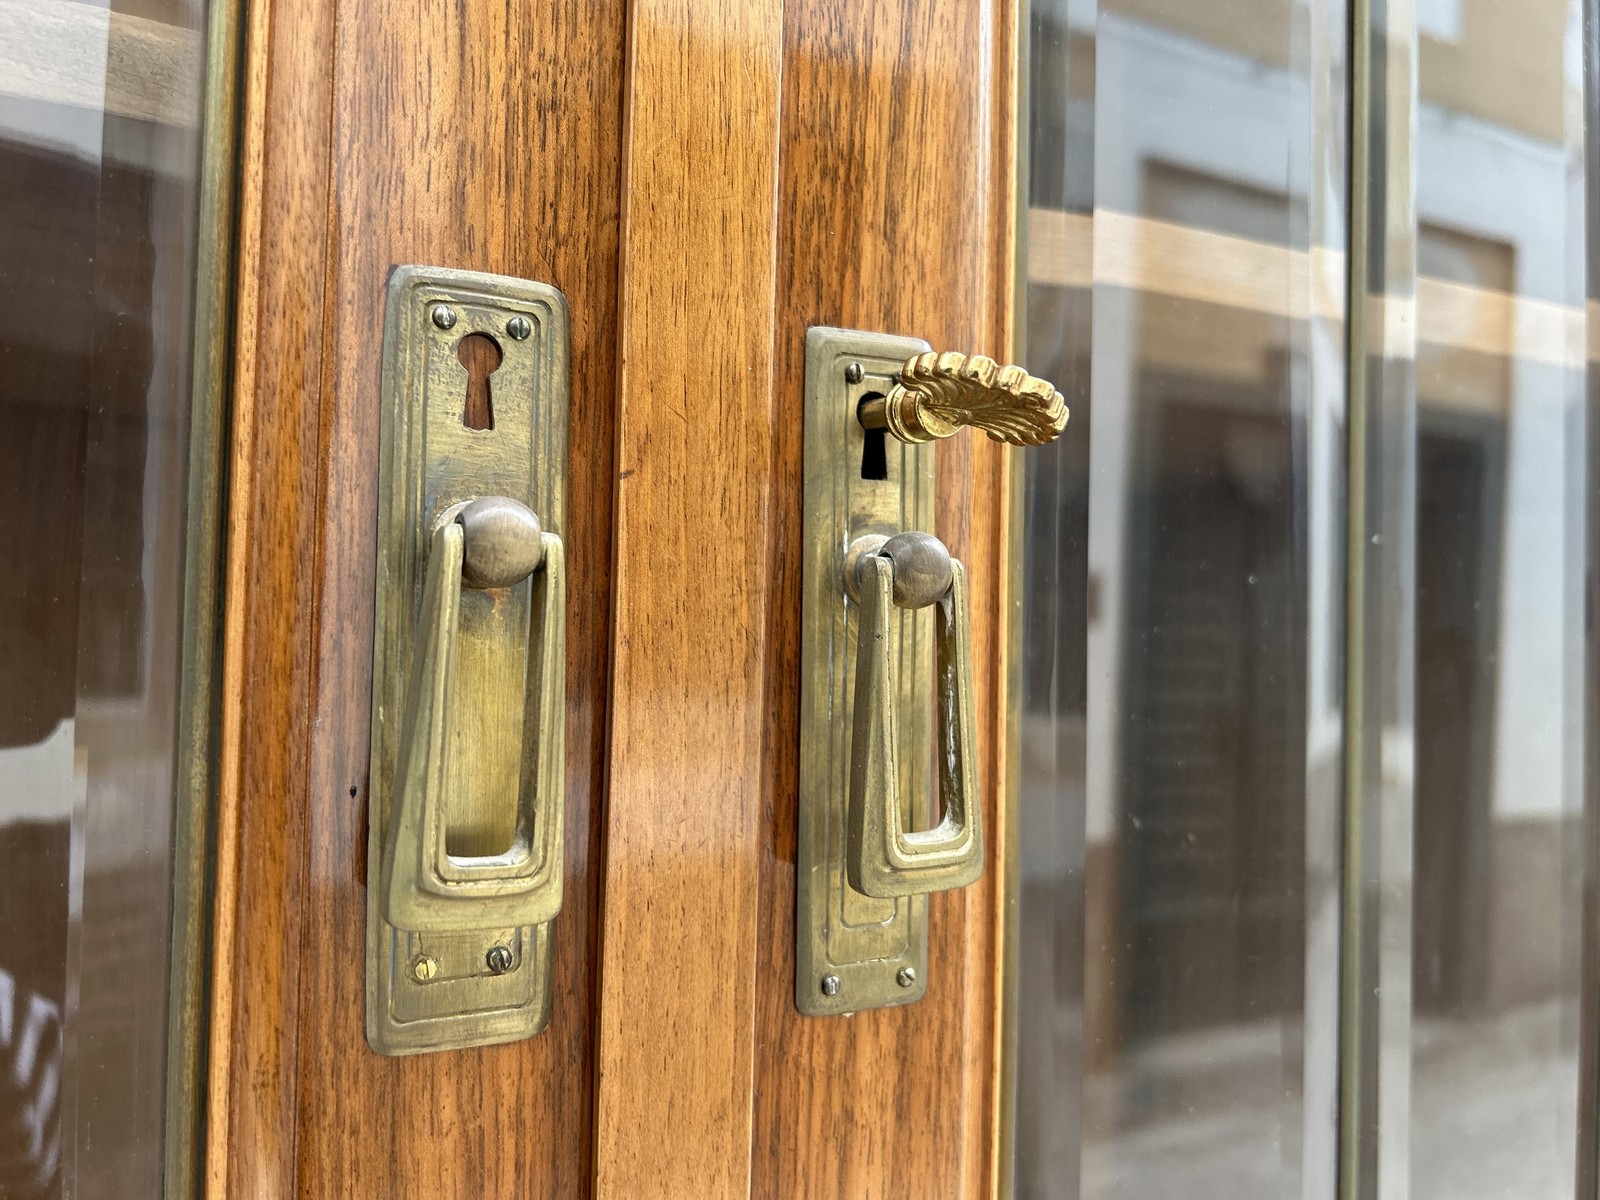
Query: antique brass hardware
[494, 542]
[870, 674]
[467, 778]
[884, 858]
[936, 395]
[855, 951]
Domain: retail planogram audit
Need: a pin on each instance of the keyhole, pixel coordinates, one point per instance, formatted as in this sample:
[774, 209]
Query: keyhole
[481, 355]
[874, 449]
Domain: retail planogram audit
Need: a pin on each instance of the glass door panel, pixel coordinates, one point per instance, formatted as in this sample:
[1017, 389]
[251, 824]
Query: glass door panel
[100, 139]
[1180, 730]
[1470, 939]
[1307, 715]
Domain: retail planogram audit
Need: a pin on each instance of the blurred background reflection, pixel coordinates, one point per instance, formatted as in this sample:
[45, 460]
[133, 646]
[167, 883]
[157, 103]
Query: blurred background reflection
[99, 141]
[1183, 737]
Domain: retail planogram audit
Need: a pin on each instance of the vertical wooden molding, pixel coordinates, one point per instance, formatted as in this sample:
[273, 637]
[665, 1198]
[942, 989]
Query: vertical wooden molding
[989, 558]
[893, 178]
[694, 559]
[378, 133]
[268, 674]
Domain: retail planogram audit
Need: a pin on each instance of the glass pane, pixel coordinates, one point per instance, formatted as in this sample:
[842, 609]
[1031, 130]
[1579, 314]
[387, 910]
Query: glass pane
[1479, 218]
[1181, 732]
[99, 144]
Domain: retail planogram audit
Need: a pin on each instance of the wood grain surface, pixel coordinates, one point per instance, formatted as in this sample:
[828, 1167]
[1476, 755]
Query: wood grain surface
[694, 633]
[897, 216]
[268, 665]
[782, 166]
[478, 136]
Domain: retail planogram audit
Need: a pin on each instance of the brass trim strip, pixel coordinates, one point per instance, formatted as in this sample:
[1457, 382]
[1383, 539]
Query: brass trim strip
[1007, 785]
[193, 849]
[1007, 817]
[1352, 898]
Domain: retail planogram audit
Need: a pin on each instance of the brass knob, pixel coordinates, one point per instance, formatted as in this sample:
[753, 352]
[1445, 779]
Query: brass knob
[937, 394]
[883, 856]
[503, 542]
[922, 569]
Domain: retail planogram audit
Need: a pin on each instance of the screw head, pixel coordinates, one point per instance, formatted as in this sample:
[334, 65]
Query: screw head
[830, 985]
[854, 373]
[906, 977]
[499, 960]
[443, 316]
[519, 327]
[424, 968]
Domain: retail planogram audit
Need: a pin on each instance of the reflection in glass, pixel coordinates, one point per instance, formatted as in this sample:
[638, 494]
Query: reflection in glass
[1499, 859]
[1181, 726]
[99, 142]
[1184, 734]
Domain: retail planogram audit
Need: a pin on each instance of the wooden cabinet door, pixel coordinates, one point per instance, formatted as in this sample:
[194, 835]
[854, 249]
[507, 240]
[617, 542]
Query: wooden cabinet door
[703, 179]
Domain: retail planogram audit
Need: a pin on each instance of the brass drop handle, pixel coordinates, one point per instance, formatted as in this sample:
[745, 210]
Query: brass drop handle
[936, 395]
[882, 857]
[493, 542]
[933, 397]
[887, 722]
[467, 779]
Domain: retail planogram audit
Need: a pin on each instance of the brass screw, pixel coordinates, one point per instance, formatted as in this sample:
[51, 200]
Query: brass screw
[906, 977]
[499, 960]
[443, 316]
[830, 985]
[519, 327]
[424, 968]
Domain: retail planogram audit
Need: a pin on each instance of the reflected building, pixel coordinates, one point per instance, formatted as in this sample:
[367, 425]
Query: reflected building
[1184, 738]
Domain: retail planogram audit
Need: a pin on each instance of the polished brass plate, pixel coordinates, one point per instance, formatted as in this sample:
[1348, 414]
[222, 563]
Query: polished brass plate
[438, 990]
[854, 952]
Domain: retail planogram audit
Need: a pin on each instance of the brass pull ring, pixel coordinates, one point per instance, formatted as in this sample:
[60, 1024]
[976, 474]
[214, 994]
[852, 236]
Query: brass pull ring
[883, 858]
[487, 543]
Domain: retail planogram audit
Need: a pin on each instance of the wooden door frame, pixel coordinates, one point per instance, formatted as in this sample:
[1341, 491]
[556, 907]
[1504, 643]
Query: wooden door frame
[354, 160]
[781, 165]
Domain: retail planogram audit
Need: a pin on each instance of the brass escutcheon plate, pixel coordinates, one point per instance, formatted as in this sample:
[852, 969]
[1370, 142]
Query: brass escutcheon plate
[853, 952]
[465, 986]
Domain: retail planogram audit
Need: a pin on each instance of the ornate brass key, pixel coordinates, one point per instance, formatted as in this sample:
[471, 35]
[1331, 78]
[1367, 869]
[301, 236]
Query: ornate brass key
[937, 395]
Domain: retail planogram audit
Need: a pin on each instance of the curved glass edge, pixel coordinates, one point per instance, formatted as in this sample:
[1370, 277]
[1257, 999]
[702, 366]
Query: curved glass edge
[1588, 1150]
